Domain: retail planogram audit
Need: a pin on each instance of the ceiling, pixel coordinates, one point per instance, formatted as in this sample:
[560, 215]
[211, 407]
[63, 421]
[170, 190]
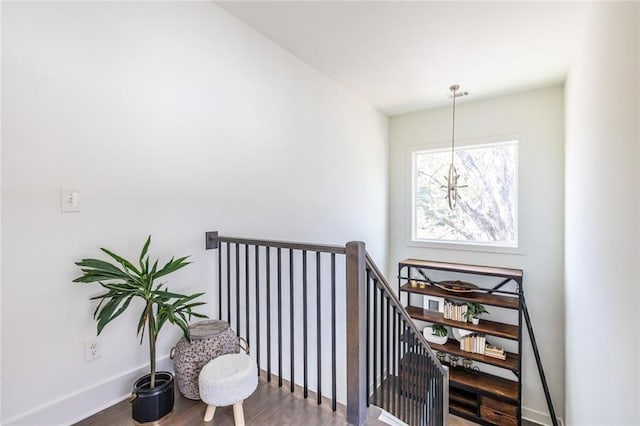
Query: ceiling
[403, 56]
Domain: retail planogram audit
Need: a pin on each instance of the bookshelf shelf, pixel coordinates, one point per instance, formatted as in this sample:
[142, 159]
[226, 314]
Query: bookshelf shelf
[492, 328]
[479, 396]
[453, 347]
[477, 297]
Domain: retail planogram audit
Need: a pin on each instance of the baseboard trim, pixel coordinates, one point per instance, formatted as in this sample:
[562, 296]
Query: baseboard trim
[538, 417]
[83, 403]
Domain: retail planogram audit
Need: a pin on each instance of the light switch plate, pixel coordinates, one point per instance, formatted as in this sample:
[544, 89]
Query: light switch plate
[69, 200]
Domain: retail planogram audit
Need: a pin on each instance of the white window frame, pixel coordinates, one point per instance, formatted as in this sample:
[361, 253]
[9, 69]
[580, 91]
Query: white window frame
[490, 247]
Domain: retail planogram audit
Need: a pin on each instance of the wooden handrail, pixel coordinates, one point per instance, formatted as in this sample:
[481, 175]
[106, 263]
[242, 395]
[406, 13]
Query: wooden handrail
[213, 240]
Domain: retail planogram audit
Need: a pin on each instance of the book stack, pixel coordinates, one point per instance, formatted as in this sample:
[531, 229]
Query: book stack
[474, 343]
[495, 352]
[455, 312]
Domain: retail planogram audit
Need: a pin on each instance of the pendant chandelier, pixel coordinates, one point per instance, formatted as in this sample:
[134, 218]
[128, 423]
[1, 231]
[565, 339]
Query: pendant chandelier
[453, 176]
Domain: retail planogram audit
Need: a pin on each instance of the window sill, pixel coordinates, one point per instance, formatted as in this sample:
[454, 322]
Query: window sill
[466, 247]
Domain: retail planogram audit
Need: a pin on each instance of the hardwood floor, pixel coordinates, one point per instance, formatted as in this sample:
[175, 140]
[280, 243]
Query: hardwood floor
[269, 405]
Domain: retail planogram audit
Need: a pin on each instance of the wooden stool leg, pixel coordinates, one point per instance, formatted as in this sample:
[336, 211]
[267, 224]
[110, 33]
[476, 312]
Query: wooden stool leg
[208, 415]
[238, 414]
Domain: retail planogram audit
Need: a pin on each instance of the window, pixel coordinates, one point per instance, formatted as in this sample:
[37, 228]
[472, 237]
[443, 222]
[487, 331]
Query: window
[486, 213]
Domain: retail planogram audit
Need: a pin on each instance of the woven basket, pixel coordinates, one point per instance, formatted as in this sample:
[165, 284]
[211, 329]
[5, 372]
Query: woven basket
[209, 340]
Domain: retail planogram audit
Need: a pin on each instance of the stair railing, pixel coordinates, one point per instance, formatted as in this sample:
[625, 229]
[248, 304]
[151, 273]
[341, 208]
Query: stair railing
[304, 306]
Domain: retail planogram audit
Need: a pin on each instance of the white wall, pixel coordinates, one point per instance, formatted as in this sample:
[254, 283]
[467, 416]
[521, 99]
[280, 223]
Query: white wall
[602, 211]
[536, 119]
[172, 119]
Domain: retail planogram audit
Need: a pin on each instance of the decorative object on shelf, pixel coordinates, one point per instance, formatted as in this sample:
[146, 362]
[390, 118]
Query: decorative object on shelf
[432, 303]
[153, 394]
[454, 311]
[472, 312]
[459, 333]
[437, 334]
[417, 284]
[456, 286]
[441, 356]
[453, 360]
[467, 363]
[495, 352]
[473, 343]
[453, 176]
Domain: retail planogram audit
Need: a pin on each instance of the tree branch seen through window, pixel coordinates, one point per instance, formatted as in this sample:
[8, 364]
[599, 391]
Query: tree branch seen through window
[487, 208]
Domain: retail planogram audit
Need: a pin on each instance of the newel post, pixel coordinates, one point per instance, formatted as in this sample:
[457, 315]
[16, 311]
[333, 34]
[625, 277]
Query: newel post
[356, 333]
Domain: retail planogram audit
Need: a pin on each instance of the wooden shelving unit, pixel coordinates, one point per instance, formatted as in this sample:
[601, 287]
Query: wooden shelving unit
[484, 398]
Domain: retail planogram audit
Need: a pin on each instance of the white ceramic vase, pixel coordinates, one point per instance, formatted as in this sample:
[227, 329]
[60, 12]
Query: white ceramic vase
[432, 338]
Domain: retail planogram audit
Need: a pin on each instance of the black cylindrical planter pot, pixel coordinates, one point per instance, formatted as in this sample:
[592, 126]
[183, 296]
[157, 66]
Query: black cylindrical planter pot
[150, 405]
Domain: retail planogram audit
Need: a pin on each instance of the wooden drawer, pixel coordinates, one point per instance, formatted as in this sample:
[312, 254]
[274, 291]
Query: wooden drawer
[497, 417]
[500, 406]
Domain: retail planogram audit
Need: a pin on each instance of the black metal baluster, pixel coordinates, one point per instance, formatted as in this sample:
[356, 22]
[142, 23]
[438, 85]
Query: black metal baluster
[395, 369]
[414, 388]
[318, 329]
[416, 392]
[388, 348]
[408, 373]
[237, 289]
[433, 410]
[437, 392]
[428, 392]
[247, 312]
[427, 409]
[375, 342]
[367, 349]
[304, 324]
[400, 367]
[220, 282]
[228, 284]
[334, 400]
[382, 341]
[268, 260]
[416, 398]
[442, 402]
[258, 306]
[423, 388]
[279, 317]
[421, 392]
[291, 329]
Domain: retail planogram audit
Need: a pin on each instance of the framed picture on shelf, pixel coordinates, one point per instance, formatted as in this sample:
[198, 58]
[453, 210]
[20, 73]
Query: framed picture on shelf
[432, 303]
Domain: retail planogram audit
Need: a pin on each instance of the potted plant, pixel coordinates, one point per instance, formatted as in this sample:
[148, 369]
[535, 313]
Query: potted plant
[436, 334]
[473, 310]
[123, 281]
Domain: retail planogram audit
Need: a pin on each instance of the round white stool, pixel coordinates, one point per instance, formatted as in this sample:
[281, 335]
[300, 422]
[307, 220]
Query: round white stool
[227, 380]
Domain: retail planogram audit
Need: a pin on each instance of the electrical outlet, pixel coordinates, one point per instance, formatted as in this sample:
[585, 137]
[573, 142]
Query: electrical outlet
[92, 349]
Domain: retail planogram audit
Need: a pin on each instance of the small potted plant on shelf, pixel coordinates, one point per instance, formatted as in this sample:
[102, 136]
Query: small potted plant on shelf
[153, 394]
[436, 334]
[473, 310]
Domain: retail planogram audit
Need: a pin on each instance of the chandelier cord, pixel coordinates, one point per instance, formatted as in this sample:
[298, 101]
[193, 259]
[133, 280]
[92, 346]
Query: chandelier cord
[453, 124]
